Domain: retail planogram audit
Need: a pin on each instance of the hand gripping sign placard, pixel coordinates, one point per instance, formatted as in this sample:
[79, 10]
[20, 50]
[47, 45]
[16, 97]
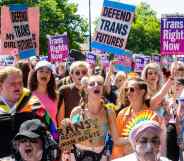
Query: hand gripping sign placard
[72, 133]
[114, 26]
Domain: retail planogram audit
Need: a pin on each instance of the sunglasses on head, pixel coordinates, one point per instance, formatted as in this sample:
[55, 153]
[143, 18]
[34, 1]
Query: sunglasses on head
[81, 72]
[93, 83]
[130, 89]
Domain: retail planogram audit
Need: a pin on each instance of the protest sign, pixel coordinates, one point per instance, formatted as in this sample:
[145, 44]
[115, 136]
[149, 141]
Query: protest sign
[58, 48]
[6, 60]
[172, 35]
[17, 31]
[156, 58]
[104, 60]
[113, 28]
[74, 133]
[138, 63]
[91, 58]
[123, 62]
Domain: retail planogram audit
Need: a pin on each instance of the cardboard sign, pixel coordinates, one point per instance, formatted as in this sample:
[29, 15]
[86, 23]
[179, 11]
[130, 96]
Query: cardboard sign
[9, 39]
[78, 132]
[172, 35]
[114, 26]
[58, 48]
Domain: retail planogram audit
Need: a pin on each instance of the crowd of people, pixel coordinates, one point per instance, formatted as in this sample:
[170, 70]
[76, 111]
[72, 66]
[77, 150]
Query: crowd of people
[38, 97]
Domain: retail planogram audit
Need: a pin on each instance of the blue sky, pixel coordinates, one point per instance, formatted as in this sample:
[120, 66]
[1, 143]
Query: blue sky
[160, 6]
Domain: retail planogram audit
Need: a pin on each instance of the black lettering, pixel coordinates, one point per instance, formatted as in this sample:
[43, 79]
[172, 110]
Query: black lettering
[87, 124]
[107, 24]
[102, 24]
[9, 44]
[78, 126]
[125, 28]
[112, 28]
[118, 28]
[19, 16]
[110, 13]
[9, 36]
[22, 30]
[105, 11]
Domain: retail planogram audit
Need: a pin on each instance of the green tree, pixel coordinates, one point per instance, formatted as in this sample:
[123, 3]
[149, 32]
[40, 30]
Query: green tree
[144, 35]
[57, 17]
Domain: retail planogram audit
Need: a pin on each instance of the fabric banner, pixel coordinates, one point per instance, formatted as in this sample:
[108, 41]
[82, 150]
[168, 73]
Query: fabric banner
[19, 31]
[172, 35]
[123, 62]
[113, 28]
[58, 48]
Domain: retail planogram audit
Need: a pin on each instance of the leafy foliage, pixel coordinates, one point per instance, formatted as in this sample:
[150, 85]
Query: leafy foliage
[144, 36]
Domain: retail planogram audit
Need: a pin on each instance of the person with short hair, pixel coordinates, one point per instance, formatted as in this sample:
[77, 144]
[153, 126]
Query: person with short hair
[17, 104]
[69, 95]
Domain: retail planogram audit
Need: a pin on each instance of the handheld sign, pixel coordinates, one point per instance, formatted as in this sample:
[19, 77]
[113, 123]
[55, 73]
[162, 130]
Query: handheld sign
[58, 48]
[114, 26]
[172, 35]
[78, 132]
[19, 30]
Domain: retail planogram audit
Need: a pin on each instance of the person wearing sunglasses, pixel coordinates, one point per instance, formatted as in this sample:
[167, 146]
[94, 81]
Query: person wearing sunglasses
[136, 91]
[69, 92]
[92, 107]
[145, 139]
[33, 142]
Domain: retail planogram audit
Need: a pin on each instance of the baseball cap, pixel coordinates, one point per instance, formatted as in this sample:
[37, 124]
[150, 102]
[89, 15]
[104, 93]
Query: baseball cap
[32, 129]
[43, 63]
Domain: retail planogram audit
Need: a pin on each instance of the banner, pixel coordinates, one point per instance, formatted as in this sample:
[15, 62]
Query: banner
[172, 35]
[91, 58]
[58, 48]
[123, 62]
[114, 26]
[26, 26]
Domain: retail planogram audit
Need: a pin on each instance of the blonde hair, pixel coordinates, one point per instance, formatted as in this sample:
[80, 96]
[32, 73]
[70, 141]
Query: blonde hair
[155, 67]
[9, 70]
[77, 64]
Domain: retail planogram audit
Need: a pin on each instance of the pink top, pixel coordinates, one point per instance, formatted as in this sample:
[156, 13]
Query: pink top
[49, 104]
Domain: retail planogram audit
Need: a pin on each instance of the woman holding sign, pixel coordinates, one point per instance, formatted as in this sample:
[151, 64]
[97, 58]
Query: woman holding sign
[92, 107]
